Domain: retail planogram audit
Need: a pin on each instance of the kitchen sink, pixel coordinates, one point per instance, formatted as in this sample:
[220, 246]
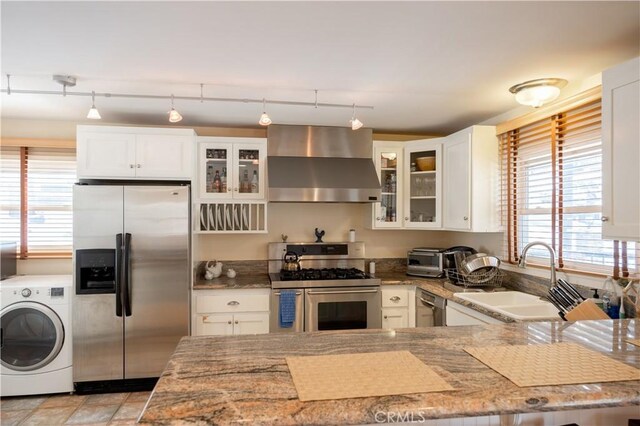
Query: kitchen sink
[513, 304]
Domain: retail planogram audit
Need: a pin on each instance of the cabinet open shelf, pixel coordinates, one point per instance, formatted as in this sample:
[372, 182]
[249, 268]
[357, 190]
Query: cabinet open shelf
[389, 169]
[388, 193]
[423, 197]
[428, 172]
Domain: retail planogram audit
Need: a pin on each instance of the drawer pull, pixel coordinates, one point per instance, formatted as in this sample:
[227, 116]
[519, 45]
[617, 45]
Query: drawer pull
[229, 322]
[395, 298]
[236, 322]
[233, 303]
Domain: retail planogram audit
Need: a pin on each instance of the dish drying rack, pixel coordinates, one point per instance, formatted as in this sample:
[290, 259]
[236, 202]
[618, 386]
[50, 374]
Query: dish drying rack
[487, 278]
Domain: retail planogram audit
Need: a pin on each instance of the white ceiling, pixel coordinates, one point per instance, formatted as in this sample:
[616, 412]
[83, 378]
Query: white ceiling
[431, 67]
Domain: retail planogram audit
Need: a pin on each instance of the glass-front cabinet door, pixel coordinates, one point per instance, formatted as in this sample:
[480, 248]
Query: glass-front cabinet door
[249, 170]
[423, 184]
[388, 160]
[215, 170]
[232, 168]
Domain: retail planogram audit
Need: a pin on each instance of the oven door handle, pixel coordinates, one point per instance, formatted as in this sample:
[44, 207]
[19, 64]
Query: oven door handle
[277, 293]
[341, 291]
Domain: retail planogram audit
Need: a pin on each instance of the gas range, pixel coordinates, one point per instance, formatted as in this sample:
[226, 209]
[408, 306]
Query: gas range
[322, 265]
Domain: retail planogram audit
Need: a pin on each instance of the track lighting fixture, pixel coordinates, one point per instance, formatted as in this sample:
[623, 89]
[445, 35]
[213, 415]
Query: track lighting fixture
[355, 123]
[174, 116]
[265, 120]
[538, 92]
[68, 81]
[93, 112]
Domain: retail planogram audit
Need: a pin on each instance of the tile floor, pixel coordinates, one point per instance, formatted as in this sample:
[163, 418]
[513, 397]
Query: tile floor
[65, 409]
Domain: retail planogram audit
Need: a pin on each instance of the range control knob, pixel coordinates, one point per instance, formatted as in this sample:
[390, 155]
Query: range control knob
[25, 292]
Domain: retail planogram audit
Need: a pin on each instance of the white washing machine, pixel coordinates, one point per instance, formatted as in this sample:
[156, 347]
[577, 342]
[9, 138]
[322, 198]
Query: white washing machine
[36, 338]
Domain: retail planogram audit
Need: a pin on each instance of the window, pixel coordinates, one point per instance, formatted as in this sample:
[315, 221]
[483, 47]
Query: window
[36, 200]
[552, 192]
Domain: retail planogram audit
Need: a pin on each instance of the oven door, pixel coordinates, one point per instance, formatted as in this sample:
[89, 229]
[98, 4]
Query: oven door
[343, 308]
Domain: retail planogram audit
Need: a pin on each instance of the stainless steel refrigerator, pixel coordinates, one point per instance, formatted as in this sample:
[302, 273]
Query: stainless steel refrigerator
[131, 275]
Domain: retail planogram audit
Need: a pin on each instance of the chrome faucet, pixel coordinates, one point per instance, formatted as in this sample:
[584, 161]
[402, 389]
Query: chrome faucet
[523, 257]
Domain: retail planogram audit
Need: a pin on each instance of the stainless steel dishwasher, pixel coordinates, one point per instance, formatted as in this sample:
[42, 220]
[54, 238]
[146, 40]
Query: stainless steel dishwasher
[430, 309]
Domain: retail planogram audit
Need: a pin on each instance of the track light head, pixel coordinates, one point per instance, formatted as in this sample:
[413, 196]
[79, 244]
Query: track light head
[174, 116]
[355, 123]
[93, 113]
[265, 120]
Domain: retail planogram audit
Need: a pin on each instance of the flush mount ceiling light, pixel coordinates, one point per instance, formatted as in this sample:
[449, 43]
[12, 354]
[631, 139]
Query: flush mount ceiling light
[93, 112]
[355, 123]
[538, 92]
[174, 116]
[264, 118]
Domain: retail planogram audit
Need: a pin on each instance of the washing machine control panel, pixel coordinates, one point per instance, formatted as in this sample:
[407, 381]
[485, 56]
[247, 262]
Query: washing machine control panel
[25, 292]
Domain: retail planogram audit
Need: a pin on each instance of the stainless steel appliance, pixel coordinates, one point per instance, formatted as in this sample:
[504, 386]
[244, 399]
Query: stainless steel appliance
[426, 262]
[131, 278]
[321, 164]
[337, 294]
[430, 309]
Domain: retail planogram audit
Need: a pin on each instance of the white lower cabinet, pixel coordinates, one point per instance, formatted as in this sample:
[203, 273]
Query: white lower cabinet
[458, 314]
[395, 318]
[230, 312]
[398, 306]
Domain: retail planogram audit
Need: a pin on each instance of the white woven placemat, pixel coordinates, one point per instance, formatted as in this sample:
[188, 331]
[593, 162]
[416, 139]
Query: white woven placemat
[553, 364]
[361, 375]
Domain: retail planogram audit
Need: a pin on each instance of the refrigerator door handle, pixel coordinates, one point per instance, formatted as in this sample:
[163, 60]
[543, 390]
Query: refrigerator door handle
[118, 277]
[126, 291]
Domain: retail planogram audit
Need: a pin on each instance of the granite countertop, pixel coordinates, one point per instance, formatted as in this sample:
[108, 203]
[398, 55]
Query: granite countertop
[245, 379]
[240, 281]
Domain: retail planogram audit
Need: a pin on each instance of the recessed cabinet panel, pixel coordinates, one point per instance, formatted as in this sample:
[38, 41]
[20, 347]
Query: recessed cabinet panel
[106, 155]
[621, 152]
[164, 156]
[457, 182]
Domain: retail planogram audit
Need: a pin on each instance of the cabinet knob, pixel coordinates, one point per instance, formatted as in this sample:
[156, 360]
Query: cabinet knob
[131, 166]
[604, 219]
[466, 218]
[386, 317]
[395, 298]
[138, 165]
[377, 218]
[406, 218]
[228, 322]
[233, 303]
[236, 322]
[235, 189]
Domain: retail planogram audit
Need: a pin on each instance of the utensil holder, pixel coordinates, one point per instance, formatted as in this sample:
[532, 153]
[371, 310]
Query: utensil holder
[587, 310]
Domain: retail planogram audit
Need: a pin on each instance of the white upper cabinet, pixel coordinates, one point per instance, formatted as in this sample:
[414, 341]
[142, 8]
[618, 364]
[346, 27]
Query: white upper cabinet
[134, 152]
[388, 159]
[470, 180]
[231, 168]
[621, 152]
[422, 189]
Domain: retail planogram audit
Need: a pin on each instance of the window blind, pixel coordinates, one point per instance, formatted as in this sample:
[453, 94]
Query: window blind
[551, 174]
[36, 198]
[10, 194]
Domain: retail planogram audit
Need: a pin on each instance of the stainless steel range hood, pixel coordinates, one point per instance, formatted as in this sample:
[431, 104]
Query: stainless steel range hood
[321, 164]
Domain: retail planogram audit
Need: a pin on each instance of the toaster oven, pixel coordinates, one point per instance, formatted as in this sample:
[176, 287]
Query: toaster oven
[426, 262]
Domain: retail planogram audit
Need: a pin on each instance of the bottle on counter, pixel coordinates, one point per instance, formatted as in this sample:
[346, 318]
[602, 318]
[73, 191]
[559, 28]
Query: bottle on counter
[254, 182]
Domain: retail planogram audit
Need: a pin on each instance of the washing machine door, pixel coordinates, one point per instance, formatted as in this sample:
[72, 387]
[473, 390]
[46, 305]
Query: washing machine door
[31, 336]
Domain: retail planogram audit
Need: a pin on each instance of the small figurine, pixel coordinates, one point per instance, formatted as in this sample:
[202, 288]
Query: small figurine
[213, 270]
[284, 237]
[231, 273]
[319, 235]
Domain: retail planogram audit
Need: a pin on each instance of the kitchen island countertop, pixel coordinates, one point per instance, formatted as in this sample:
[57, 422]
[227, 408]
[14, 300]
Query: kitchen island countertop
[245, 379]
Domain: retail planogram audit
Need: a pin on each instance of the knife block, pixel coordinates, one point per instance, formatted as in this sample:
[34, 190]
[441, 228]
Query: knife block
[587, 310]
